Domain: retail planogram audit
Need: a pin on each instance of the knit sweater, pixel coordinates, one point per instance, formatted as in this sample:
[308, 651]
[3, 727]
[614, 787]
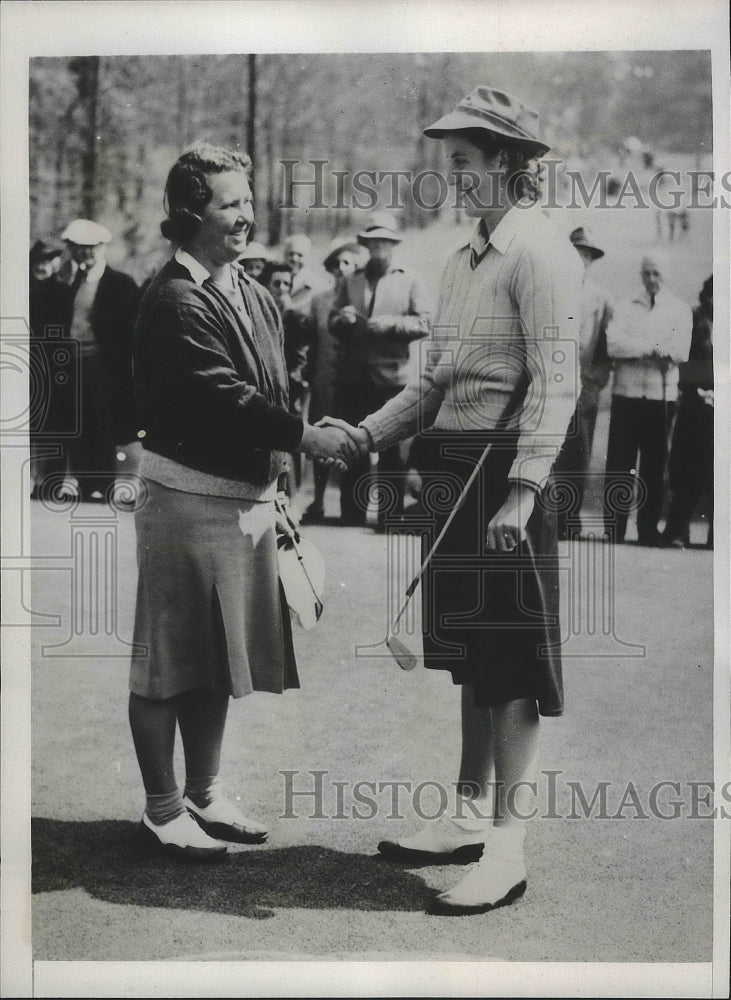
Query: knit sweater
[210, 379]
[514, 318]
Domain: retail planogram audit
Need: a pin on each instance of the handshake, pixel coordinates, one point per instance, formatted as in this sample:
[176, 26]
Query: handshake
[333, 442]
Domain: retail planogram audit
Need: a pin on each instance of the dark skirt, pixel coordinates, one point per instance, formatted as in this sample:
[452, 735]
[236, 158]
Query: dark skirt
[210, 609]
[490, 618]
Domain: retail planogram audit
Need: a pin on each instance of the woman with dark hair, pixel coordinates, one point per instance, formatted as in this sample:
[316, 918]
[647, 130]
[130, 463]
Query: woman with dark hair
[501, 371]
[211, 386]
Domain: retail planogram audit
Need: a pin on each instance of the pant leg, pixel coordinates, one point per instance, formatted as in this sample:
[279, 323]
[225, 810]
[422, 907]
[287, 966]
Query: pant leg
[569, 472]
[621, 459]
[353, 404]
[653, 458]
[92, 453]
[690, 465]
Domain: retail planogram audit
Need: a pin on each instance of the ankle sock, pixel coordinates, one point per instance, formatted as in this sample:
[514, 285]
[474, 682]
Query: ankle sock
[507, 842]
[203, 791]
[473, 814]
[163, 808]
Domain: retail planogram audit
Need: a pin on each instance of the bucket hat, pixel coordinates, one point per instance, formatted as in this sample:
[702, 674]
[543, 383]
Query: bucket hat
[497, 112]
[45, 249]
[254, 251]
[583, 238]
[339, 244]
[380, 226]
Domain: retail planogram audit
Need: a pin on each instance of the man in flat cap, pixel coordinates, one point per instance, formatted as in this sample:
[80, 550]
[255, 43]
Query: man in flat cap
[647, 338]
[572, 465]
[377, 313]
[100, 315]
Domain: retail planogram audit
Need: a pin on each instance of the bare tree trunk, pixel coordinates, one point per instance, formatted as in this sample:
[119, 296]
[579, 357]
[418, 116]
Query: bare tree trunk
[274, 212]
[183, 109]
[251, 123]
[88, 85]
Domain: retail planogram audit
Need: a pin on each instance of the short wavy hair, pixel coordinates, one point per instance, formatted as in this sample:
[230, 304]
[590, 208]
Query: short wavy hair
[187, 191]
[525, 170]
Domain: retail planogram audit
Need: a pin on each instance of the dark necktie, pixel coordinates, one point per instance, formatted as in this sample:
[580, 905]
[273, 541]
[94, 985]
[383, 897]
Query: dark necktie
[79, 279]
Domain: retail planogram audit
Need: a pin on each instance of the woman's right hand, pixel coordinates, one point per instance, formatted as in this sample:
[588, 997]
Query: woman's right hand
[329, 446]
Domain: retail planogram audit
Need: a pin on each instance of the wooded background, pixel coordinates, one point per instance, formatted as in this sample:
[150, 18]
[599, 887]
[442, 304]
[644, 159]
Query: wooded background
[104, 130]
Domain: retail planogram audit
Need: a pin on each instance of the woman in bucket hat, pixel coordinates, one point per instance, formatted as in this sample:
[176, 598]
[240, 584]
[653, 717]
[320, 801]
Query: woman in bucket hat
[502, 371]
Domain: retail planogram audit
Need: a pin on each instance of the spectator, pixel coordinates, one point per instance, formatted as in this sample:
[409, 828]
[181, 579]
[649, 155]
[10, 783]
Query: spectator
[341, 260]
[277, 278]
[648, 336]
[254, 259]
[691, 453]
[572, 465]
[377, 313]
[99, 313]
[46, 295]
[306, 279]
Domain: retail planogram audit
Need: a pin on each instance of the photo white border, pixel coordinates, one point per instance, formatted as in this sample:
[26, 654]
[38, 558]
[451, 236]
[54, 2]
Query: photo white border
[89, 27]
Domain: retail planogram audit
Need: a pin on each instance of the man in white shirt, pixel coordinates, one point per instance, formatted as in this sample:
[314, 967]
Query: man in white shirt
[647, 339]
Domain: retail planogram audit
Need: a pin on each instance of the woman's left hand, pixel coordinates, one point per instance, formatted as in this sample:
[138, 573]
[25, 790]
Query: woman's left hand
[506, 530]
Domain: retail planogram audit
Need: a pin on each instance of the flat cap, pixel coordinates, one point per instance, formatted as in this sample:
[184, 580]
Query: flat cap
[86, 233]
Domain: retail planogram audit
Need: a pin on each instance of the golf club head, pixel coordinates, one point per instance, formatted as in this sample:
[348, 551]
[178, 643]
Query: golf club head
[403, 656]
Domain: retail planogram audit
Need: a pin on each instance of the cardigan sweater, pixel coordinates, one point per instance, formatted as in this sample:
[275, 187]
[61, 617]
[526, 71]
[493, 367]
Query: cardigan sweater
[514, 318]
[210, 380]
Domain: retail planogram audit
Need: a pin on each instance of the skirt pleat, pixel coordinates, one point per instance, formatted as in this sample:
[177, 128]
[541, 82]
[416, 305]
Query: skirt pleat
[210, 611]
[490, 618]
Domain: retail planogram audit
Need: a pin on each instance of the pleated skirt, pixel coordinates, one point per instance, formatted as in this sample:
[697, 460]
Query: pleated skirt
[490, 618]
[210, 610]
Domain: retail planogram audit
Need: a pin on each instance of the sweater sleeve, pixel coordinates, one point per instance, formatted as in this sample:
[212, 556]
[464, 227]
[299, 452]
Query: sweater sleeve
[414, 408]
[417, 405]
[547, 291]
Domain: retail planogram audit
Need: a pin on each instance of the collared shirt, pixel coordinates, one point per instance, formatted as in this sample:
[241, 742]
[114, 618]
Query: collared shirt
[198, 273]
[512, 318]
[639, 329]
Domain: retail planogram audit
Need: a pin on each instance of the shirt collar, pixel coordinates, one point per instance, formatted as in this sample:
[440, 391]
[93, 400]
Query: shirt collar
[642, 298]
[194, 267]
[93, 274]
[504, 231]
